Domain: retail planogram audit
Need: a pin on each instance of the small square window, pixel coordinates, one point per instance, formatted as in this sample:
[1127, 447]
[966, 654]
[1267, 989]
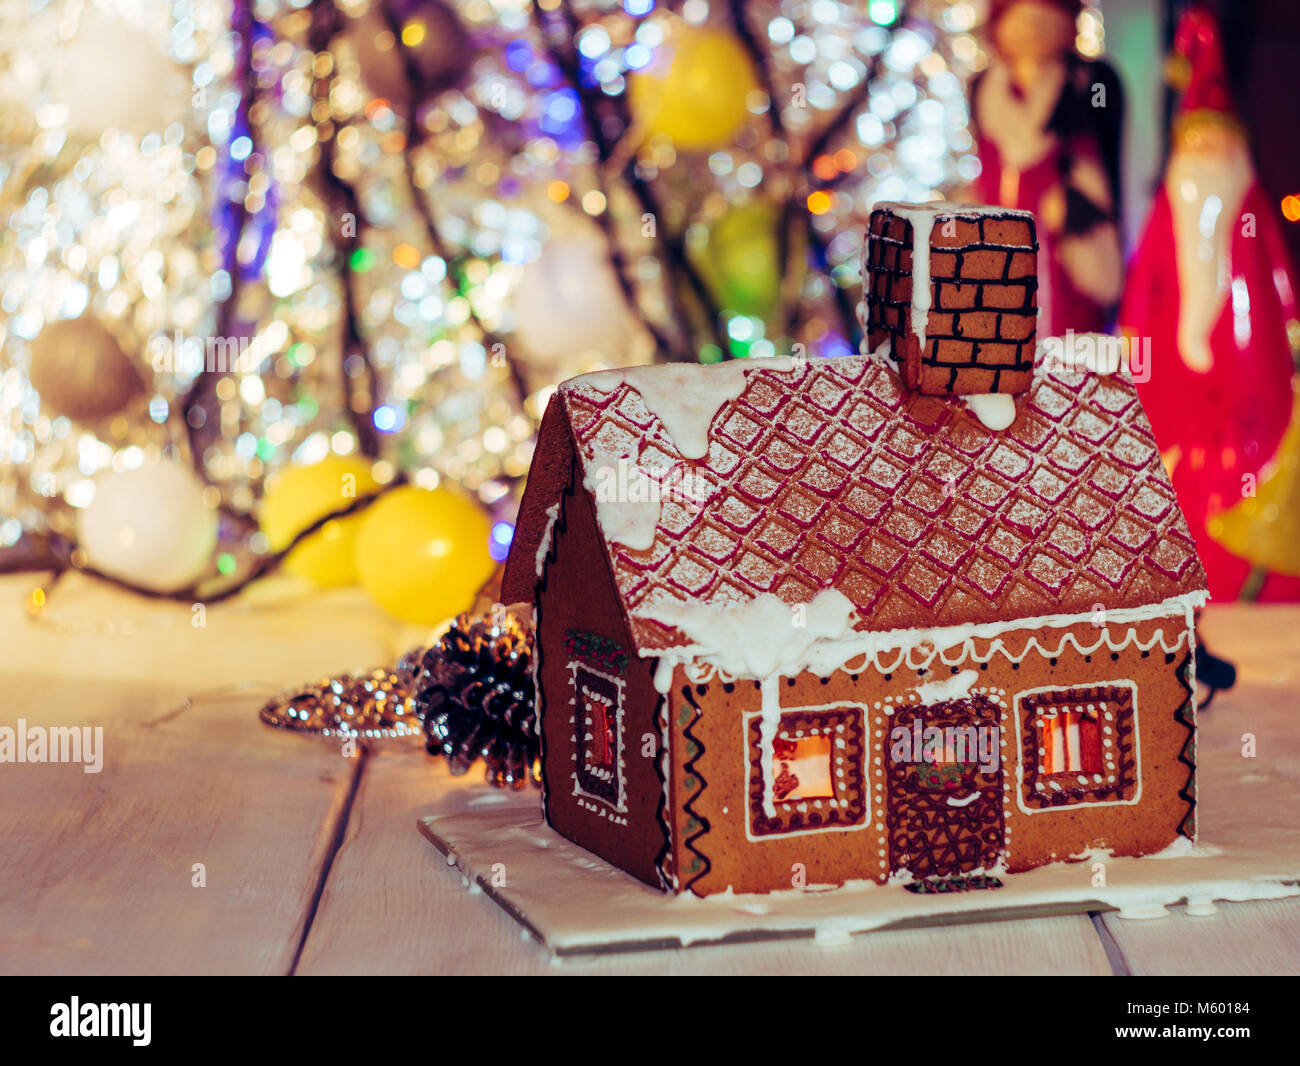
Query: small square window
[1078, 746]
[599, 723]
[809, 777]
[597, 720]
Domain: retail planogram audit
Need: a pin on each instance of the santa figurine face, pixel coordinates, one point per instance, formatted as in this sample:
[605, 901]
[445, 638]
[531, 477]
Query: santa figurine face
[1033, 30]
[1210, 140]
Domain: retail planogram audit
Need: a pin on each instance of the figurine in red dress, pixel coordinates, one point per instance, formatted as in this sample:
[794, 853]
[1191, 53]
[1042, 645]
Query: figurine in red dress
[1047, 125]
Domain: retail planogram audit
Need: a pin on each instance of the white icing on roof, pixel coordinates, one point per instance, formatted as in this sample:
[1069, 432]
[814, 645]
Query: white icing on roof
[996, 410]
[686, 396]
[1099, 353]
[717, 645]
[627, 499]
[763, 637]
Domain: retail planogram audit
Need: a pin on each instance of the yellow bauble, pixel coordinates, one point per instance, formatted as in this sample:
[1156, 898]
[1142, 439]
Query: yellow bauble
[422, 555]
[696, 96]
[1264, 529]
[298, 496]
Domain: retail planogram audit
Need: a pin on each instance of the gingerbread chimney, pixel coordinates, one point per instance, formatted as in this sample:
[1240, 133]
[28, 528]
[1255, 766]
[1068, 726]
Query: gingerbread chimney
[954, 289]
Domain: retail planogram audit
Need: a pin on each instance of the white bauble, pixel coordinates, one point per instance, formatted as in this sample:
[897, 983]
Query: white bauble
[149, 526]
[112, 75]
[569, 309]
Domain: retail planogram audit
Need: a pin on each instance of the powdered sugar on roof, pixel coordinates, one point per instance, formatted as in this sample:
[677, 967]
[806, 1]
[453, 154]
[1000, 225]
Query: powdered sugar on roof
[836, 477]
[685, 397]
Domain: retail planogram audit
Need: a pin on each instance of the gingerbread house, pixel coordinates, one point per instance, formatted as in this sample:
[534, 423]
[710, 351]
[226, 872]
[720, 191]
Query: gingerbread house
[799, 623]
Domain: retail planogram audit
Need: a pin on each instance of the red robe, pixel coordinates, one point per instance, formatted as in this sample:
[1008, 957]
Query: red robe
[1217, 427]
[1051, 145]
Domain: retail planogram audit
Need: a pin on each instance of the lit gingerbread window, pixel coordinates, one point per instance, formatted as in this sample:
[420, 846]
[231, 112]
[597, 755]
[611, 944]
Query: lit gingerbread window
[1078, 746]
[808, 777]
[1069, 741]
[600, 725]
[599, 745]
[598, 740]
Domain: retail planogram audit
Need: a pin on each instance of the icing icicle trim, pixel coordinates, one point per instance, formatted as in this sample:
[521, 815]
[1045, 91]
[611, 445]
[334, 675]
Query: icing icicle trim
[916, 649]
[544, 546]
[759, 638]
[627, 500]
[769, 723]
[995, 409]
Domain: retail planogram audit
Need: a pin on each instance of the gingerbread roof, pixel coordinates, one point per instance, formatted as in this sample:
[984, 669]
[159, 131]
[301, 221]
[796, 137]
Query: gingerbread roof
[832, 475]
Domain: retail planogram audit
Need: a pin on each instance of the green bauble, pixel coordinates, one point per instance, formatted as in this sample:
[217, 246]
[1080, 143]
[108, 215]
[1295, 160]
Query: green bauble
[740, 259]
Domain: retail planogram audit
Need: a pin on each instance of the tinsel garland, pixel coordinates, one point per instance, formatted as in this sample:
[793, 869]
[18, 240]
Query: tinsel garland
[470, 693]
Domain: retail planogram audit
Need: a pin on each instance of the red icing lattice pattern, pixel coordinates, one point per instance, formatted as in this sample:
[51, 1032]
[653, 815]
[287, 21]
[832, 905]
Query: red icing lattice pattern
[835, 476]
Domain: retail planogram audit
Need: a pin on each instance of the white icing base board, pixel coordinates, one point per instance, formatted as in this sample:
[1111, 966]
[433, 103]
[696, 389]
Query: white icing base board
[574, 903]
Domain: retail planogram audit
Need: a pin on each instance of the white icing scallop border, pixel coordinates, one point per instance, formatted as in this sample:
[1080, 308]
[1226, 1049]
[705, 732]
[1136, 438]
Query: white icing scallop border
[918, 649]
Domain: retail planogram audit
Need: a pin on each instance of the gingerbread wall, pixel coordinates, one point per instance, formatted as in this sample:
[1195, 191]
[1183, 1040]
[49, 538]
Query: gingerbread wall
[622, 820]
[712, 777]
[981, 328]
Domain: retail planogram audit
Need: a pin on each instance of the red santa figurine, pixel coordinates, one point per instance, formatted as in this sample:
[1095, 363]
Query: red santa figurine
[1047, 125]
[1210, 295]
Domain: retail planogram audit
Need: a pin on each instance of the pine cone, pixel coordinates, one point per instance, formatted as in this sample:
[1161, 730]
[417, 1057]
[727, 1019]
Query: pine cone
[474, 689]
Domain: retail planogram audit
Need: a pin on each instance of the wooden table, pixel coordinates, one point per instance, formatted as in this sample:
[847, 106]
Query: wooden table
[310, 862]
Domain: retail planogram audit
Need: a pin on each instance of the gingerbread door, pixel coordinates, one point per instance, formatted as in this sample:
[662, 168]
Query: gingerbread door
[944, 811]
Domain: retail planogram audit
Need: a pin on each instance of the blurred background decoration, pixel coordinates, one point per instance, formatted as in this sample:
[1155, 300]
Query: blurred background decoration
[315, 250]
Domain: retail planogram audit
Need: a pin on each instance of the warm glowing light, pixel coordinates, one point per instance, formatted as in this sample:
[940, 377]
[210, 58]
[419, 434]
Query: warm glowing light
[824, 168]
[593, 202]
[406, 256]
[413, 33]
[819, 202]
[845, 160]
[1291, 208]
[557, 192]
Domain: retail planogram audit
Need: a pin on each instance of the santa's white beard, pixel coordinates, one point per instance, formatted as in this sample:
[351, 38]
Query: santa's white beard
[1205, 197]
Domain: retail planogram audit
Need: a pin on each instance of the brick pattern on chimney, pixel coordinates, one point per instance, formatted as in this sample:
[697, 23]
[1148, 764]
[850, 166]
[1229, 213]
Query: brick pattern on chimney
[982, 324]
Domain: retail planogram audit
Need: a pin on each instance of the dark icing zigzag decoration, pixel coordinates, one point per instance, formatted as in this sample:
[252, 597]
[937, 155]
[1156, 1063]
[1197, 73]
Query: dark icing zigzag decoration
[1187, 756]
[700, 866]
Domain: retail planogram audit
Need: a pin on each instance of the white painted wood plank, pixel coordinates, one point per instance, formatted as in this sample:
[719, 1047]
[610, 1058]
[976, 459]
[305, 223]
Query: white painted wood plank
[96, 869]
[1242, 938]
